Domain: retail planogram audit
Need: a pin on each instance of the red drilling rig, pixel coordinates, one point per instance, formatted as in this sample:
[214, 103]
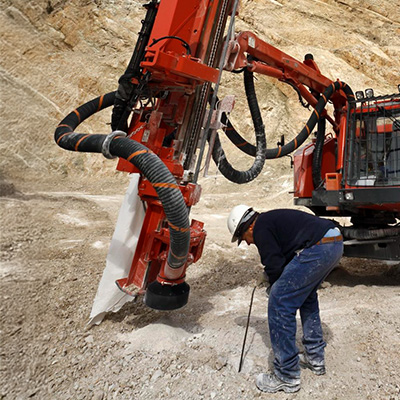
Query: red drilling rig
[166, 113]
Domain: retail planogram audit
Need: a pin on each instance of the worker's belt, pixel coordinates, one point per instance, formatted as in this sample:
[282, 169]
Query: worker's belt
[331, 239]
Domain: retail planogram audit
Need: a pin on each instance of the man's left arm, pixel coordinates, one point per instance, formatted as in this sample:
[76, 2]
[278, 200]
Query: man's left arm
[273, 265]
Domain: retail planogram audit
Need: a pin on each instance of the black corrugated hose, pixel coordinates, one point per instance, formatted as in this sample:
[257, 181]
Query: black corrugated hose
[280, 151]
[349, 232]
[317, 154]
[234, 136]
[126, 89]
[319, 143]
[218, 153]
[141, 157]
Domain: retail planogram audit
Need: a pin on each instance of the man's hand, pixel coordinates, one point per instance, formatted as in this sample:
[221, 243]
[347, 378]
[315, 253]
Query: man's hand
[262, 279]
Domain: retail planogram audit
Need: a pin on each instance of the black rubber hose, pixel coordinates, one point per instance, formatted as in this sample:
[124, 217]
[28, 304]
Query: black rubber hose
[218, 153]
[317, 154]
[281, 151]
[365, 234]
[312, 121]
[141, 157]
[319, 144]
[233, 135]
[126, 89]
[168, 192]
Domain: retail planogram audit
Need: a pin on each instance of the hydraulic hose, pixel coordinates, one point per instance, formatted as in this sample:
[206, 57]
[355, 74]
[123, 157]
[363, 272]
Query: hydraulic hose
[141, 157]
[126, 89]
[233, 135]
[312, 121]
[281, 151]
[317, 154]
[218, 153]
[366, 234]
[319, 143]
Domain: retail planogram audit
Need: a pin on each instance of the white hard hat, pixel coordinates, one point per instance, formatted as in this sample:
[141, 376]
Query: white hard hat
[238, 218]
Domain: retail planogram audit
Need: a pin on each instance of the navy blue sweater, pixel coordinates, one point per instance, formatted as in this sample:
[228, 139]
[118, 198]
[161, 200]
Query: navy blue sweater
[279, 233]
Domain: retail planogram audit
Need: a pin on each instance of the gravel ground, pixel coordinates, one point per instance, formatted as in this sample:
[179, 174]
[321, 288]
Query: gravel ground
[53, 251]
[58, 211]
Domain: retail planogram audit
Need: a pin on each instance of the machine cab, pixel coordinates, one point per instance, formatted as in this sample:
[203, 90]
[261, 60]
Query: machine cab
[373, 144]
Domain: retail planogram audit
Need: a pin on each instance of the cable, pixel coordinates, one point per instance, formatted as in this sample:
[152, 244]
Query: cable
[302, 102]
[184, 43]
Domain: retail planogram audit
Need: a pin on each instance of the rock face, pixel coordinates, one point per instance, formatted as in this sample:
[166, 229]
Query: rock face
[58, 211]
[59, 54]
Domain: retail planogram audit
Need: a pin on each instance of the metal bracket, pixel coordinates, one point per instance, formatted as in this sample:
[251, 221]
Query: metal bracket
[105, 148]
[224, 106]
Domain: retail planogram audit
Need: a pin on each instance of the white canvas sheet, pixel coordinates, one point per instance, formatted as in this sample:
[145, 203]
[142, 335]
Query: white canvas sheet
[120, 255]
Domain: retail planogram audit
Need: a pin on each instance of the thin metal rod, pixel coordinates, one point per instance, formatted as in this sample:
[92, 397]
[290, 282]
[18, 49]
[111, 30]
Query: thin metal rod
[247, 328]
[214, 96]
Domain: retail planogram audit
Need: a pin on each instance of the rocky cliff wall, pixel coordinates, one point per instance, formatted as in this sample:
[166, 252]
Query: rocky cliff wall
[58, 54]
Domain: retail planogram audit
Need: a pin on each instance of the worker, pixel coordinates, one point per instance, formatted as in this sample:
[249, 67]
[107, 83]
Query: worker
[298, 251]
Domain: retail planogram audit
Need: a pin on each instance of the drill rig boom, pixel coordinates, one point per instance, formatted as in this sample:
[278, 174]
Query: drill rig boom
[161, 127]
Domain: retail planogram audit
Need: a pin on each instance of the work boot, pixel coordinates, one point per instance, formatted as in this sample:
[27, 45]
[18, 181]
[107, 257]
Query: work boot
[317, 369]
[270, 383]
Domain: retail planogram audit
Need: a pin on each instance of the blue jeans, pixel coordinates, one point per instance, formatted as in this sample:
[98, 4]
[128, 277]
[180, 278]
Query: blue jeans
[296, 289]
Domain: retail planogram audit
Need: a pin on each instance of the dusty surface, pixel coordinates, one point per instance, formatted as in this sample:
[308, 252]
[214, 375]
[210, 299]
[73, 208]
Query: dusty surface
[57, 220]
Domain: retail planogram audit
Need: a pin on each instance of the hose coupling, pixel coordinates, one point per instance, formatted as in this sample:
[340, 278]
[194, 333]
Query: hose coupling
[105, 148]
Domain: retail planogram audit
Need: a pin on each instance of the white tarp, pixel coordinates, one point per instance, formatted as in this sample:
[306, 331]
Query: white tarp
[120, 255]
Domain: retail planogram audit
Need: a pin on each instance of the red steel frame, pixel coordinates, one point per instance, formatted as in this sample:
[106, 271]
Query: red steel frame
[179, 73]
